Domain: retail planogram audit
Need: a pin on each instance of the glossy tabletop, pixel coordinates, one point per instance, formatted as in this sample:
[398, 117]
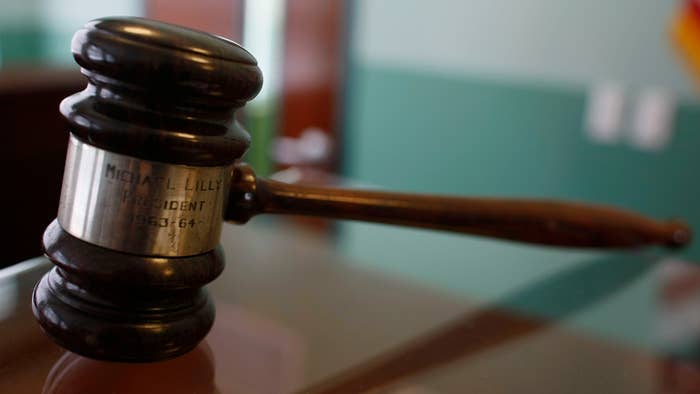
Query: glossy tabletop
[294, 314]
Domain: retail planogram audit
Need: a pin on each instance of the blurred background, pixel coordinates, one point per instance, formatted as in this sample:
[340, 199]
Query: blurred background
[592, 101]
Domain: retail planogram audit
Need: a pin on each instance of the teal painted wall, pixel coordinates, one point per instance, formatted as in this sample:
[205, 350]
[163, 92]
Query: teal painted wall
[21, 44]
[425, 132]
[418, 131]
[40, 31]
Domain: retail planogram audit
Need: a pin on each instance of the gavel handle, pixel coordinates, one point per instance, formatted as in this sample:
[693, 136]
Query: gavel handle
[541, 222]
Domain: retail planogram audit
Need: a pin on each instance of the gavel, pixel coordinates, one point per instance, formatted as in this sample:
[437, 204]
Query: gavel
[154, 168]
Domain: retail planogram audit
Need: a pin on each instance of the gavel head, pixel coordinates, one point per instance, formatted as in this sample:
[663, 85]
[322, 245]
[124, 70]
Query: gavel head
[151, 152]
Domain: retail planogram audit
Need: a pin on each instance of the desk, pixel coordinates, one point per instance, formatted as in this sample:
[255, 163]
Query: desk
[293, 313]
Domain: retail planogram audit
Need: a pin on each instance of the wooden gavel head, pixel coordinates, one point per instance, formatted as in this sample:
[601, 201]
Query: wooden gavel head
[152, 172]
[153, 140]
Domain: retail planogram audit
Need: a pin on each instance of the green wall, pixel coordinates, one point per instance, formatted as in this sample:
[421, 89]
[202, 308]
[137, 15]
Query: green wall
[424, 132]
[40, 31]
[21, 44]
[418, 131]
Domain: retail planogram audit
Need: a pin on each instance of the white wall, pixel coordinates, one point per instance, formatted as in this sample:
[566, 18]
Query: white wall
[17, 13]
[62, 18]
[574, 41]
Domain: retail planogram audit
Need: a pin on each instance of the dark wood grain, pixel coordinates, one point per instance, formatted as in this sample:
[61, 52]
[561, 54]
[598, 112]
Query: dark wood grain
[435, 349]
[339, 315]
[34, 148]
[312, 72]
[116, 306]
[477, 332]
[542, 222]
[193, 372]
[163, 93]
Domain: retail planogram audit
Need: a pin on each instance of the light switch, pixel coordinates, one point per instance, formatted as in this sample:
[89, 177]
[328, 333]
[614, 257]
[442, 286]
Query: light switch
[652, 123]
[604, 112]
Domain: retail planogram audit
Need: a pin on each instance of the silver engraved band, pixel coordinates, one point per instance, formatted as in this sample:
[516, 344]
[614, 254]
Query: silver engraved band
[139, 206]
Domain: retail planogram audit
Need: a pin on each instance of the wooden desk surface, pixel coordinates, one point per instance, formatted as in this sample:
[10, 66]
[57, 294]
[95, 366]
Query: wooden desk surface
[293, 314]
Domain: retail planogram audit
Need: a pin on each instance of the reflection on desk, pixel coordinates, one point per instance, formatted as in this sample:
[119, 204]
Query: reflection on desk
[294, 315]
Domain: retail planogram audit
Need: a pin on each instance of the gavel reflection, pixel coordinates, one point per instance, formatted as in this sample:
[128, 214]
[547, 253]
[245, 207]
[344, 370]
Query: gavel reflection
[153, 170]
[193, 373]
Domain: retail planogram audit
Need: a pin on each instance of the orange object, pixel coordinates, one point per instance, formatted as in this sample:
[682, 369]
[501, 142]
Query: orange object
[686, 36]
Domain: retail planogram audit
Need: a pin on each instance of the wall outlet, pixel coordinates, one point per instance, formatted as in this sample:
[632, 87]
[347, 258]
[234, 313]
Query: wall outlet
[652, 122]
